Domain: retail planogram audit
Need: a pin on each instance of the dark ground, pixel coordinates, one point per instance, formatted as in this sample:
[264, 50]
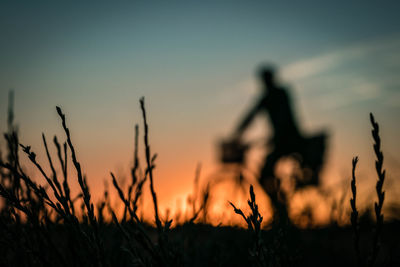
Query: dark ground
[205, 245]
[332, 246]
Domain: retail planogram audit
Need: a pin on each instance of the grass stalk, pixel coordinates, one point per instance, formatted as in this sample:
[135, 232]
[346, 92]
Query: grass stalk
[379, 190]
[150, 165]
[355, 213]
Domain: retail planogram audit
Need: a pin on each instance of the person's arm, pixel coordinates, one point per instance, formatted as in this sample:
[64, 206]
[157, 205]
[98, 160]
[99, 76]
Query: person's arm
[248, 119]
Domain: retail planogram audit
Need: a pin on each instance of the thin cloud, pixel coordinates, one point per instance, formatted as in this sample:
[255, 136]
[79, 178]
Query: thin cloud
[309, 67]
[348, 76]
[338, 78]
[313, 66]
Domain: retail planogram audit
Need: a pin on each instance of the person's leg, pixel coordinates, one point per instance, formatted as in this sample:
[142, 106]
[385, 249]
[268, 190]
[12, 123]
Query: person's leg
[271, 185]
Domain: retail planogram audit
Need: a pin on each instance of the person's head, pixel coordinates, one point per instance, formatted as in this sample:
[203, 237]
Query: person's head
[267, 75]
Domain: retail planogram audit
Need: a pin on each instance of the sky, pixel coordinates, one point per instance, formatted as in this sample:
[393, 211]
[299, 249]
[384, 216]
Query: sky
[195, 62]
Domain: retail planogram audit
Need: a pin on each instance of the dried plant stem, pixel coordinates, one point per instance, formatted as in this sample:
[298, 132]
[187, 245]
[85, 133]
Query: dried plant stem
[62, 198]
[85, 193]
[133, 171]
[141, 236]
[254, 220]
[169, 257]
[149, 164]
[41, 192]
[77, 165]
[379, 190]
[354, 212]
[63, 163]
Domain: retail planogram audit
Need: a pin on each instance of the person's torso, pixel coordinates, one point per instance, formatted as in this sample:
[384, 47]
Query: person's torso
[277, 104]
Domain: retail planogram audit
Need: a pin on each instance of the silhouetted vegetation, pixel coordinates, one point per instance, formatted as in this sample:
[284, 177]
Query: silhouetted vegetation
[42, 225]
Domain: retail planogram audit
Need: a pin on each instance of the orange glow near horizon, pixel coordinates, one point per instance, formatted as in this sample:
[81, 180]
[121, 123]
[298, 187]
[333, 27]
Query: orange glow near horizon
[179, 151]
[311, 207]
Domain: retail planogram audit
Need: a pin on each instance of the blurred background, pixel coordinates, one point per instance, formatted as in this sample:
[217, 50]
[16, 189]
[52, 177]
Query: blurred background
[195, 63]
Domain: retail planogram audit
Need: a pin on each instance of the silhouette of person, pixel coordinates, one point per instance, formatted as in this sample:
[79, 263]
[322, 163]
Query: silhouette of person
[286, 139]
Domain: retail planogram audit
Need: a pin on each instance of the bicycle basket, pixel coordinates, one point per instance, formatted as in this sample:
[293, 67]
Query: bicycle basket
[232, 152]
